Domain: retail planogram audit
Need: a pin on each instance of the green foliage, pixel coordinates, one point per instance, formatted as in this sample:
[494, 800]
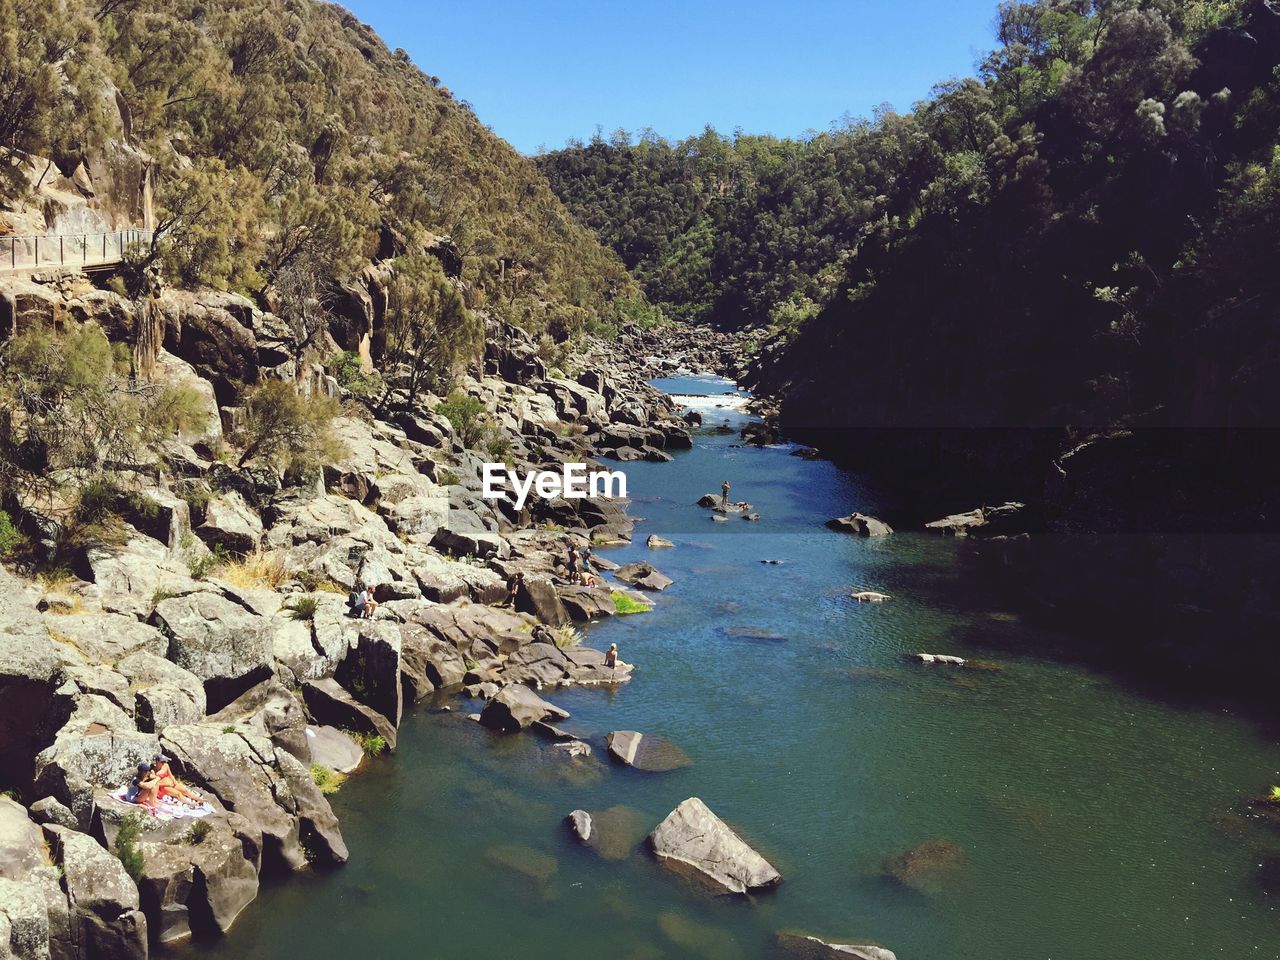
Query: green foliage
[348, 369]
[303, 608]
[10, 536]
[468, 416]
[126, 846]
[448, 478]
[329, 781]
[287, 430]
[286, 134]
[430, 333]
[371, 743]
[206, 561]
[229, 728]
[1274, 795]
[567, 636]
[199, 831]
[624, 604]
[69, 408]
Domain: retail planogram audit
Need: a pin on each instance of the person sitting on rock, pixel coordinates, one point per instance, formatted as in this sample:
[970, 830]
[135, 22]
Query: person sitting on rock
[144, 789]
[169, 785]
[611, 657]
[513, 588]
[368, 605]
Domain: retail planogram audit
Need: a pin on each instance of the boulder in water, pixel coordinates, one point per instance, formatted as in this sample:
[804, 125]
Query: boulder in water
[644, 576]
[517, 707]
[805, 946]
[656, 542]
[860, 525]
[869, 596]
[694, 839]
[943, 658]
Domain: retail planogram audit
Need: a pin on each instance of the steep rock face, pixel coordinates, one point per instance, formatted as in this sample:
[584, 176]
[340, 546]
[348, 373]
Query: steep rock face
[28, 675]
[265, 785]
[198, 888]
[221, 643]
[106, 919]
[206, 333]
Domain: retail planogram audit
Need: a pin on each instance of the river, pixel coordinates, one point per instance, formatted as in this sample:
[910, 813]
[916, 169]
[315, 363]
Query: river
[1090, 821]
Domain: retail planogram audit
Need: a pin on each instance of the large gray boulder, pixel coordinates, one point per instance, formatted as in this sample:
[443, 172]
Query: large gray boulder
[223, 644]
[331, 704]
[106, 919]
[1006, 519]
[129, 576]
[230, 523]
[164, 693]
[516, 707]
[537, 596]
[693, 840]
[644, 576]
[24, 921]
[861, 525]
[537, 665]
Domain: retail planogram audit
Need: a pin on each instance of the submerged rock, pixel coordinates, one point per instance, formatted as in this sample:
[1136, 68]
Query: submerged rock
[651, 754]
[926, 867]
[692, 838]
[860, 525]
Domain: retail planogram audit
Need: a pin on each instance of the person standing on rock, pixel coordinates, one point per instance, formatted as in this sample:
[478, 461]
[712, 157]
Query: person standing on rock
[573, 564]
[724, 495]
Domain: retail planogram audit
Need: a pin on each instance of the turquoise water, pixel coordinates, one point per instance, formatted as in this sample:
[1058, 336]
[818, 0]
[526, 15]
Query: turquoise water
[1093, 823]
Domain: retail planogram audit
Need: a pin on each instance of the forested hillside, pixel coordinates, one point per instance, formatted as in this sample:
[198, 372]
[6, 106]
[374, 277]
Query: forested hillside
[1003, 283]
[283, 133]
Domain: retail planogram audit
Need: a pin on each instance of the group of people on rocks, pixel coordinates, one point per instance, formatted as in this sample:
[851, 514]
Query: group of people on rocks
[155, 782]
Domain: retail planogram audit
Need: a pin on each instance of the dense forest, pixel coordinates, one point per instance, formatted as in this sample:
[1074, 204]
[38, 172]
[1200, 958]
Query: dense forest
[1066, 254]
[283, 136]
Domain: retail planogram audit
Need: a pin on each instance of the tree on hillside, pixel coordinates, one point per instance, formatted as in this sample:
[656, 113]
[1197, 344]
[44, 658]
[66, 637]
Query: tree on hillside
[429, 331]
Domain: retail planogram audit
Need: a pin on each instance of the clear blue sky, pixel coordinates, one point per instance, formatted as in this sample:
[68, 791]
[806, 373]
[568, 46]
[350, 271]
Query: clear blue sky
[541, 71]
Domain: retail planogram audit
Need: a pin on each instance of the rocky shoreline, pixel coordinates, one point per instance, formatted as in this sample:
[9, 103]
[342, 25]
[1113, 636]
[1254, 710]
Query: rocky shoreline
[216, 629]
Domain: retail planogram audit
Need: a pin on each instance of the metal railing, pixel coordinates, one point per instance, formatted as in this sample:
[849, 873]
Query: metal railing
[56, 251]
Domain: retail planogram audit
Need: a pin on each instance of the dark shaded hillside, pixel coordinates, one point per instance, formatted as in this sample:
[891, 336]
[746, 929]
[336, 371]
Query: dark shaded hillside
[1076, 243]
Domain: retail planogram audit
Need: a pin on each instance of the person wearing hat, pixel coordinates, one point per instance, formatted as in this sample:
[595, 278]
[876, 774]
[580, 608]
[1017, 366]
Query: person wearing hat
[169, 785]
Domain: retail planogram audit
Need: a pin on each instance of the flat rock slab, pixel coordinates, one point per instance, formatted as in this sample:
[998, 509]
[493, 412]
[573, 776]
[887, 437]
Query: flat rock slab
[644, 752]
[694, 840]
[332, 748]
